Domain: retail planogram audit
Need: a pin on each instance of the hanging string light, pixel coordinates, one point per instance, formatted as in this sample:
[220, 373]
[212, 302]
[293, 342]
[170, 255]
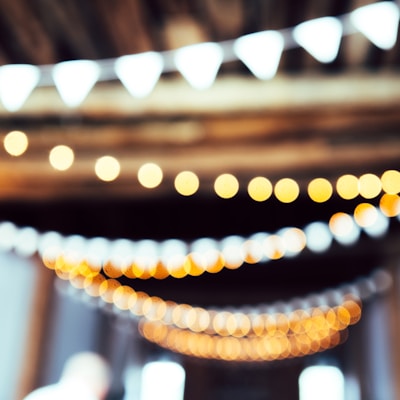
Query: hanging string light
[266, 333]
[260, 52]
[144, 259]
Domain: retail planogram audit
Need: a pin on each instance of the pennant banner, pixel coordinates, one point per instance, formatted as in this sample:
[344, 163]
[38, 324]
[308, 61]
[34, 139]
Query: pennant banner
[199, 64]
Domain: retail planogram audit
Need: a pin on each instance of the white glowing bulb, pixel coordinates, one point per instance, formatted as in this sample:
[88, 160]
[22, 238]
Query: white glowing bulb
[75, 79]
[320, 37]
[321, 382]
[163, 379]
[379, 227]
[16, 84]
[26, 243]
[199, 63]
[260, 52]
[318, 236]
[378, 22]
[139, 73]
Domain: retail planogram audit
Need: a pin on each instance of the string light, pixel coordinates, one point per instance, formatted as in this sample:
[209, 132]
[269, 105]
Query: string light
[237, 323]
[259, 51]
[144, 259]
[259, 188]
[230, 335]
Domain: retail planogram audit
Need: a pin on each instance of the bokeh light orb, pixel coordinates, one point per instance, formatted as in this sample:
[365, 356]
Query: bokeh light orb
[226, 186]
[347, 187]
[61, 157]
[150, 175]
[320, 190]
[15, 143]
[286, 190]
[186, 183]
[107, 168]
[370, 186]
[259, 188]
[389, 204]
[391, 181]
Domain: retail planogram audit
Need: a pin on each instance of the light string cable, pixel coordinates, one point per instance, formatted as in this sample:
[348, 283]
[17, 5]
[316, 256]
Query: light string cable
[139, 73]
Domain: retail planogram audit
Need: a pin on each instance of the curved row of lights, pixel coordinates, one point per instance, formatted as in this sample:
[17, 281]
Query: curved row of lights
[199, 64]
[187, 183]
[144, 259]
[319, 331]
[258, 333]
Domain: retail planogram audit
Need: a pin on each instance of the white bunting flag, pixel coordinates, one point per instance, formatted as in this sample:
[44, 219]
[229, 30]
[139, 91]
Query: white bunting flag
[379, 22]
[199, 63]
[75, 79]
[17, 82]
[320, 37]
[139, 73]
[261, 52]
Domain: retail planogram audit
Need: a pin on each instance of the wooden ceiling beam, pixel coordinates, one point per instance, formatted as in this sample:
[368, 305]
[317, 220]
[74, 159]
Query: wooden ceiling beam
[229, 94]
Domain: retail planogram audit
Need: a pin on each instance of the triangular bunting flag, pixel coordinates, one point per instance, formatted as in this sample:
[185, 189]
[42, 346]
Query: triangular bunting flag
[17, 82]
[75, 79]
[260, 52]
[378, 22]
[139, 73]
[199, 63]
[320, 37]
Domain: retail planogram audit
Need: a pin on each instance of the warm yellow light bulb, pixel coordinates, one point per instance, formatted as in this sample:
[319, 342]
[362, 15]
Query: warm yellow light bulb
[370, 186]
[107, 168]
[61, 157]
[320, 190]
[347, 187]
[186, 183]
[150, 175]
[286, 190]
[259, 188]
[15, 143]
[226, 186]
[391, 181]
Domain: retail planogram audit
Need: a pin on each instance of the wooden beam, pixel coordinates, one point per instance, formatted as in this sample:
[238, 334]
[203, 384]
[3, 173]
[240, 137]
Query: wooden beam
[229, 94]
